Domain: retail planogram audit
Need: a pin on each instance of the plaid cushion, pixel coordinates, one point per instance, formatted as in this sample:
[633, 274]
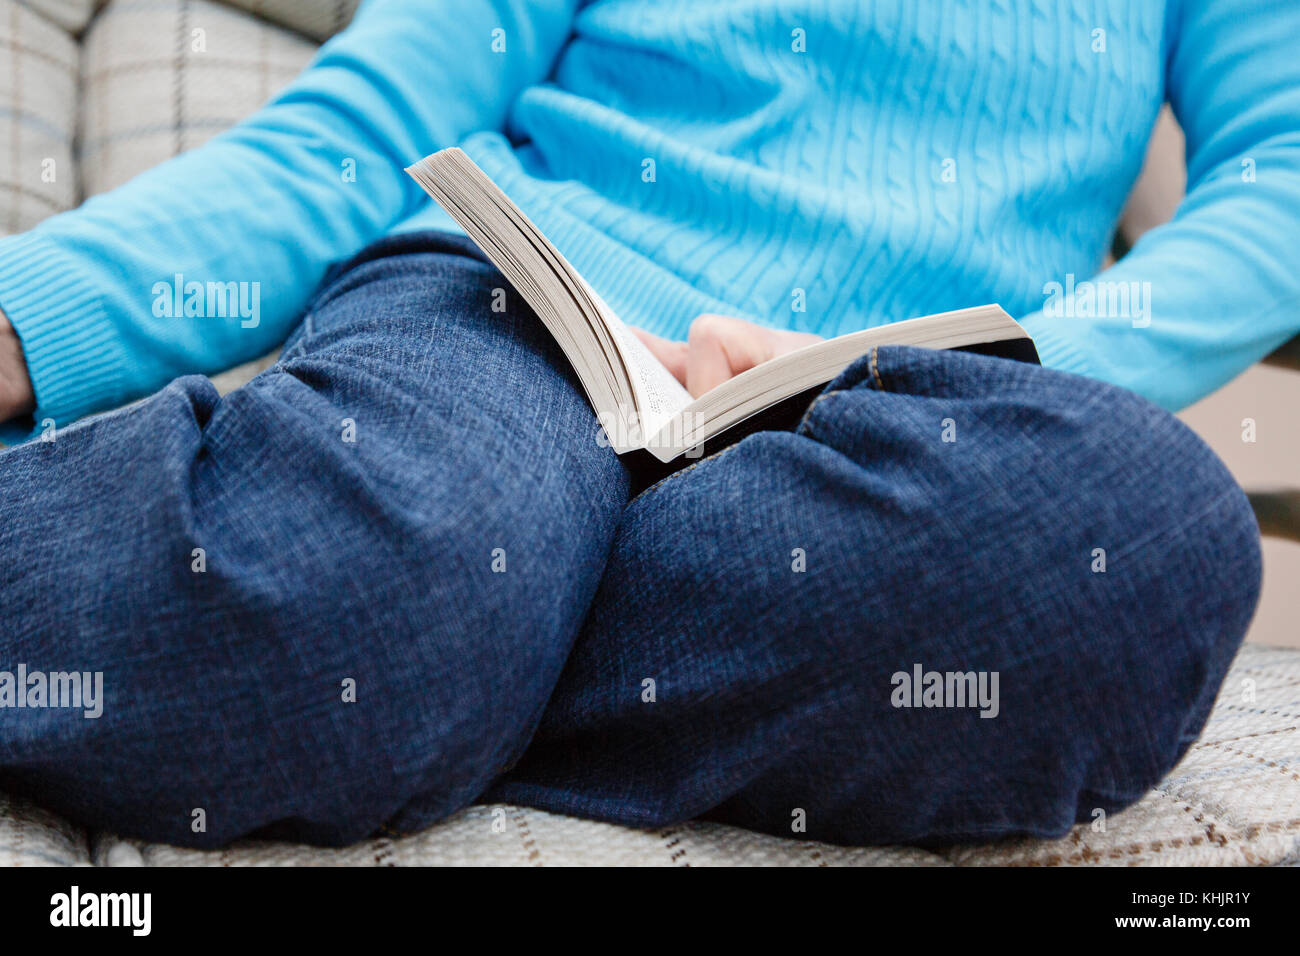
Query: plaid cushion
[38, 108]
[72, 15]
[164, 76]
[317, 19]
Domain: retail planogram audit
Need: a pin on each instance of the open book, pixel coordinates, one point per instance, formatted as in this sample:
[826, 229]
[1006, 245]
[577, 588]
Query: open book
[638, 402]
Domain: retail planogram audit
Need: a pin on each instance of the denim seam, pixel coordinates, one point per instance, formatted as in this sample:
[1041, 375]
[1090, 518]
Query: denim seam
[803, 422]
[875, 382]
[874, 363]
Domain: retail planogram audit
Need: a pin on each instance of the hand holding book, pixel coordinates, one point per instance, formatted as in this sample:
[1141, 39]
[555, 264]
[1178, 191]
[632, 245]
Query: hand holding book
[719, 348]
[662, 397]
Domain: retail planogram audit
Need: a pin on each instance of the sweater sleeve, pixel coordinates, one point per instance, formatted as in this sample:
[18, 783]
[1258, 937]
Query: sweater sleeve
[267, 205]
[1224, 273]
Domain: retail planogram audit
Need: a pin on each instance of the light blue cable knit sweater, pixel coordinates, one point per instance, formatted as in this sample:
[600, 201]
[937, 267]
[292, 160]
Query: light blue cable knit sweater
[866, 161]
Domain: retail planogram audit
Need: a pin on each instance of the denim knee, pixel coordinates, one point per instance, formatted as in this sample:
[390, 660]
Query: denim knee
[297, 631]
[953, 513]
[416, 617]
[1179, 584]
[1132, 554]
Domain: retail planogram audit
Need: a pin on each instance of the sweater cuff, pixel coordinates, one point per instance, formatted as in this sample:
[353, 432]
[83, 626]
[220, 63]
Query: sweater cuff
[73, 358]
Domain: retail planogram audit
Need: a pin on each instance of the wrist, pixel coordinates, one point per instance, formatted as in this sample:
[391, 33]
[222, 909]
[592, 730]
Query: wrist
[16, 395]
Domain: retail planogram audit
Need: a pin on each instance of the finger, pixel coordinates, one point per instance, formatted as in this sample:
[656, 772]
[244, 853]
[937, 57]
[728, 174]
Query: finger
[672, 355]
[722, 347]
[782, 341]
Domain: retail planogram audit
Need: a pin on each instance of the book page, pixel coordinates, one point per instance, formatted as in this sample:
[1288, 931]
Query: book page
[659, 396]
[537, 271]
[551, 285]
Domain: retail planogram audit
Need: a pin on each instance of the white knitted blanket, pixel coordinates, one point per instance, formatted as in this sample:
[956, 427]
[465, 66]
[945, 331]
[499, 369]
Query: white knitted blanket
[1234, 800]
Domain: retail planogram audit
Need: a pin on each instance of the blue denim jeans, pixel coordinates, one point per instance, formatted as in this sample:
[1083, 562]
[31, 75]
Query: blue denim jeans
[397, 573]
